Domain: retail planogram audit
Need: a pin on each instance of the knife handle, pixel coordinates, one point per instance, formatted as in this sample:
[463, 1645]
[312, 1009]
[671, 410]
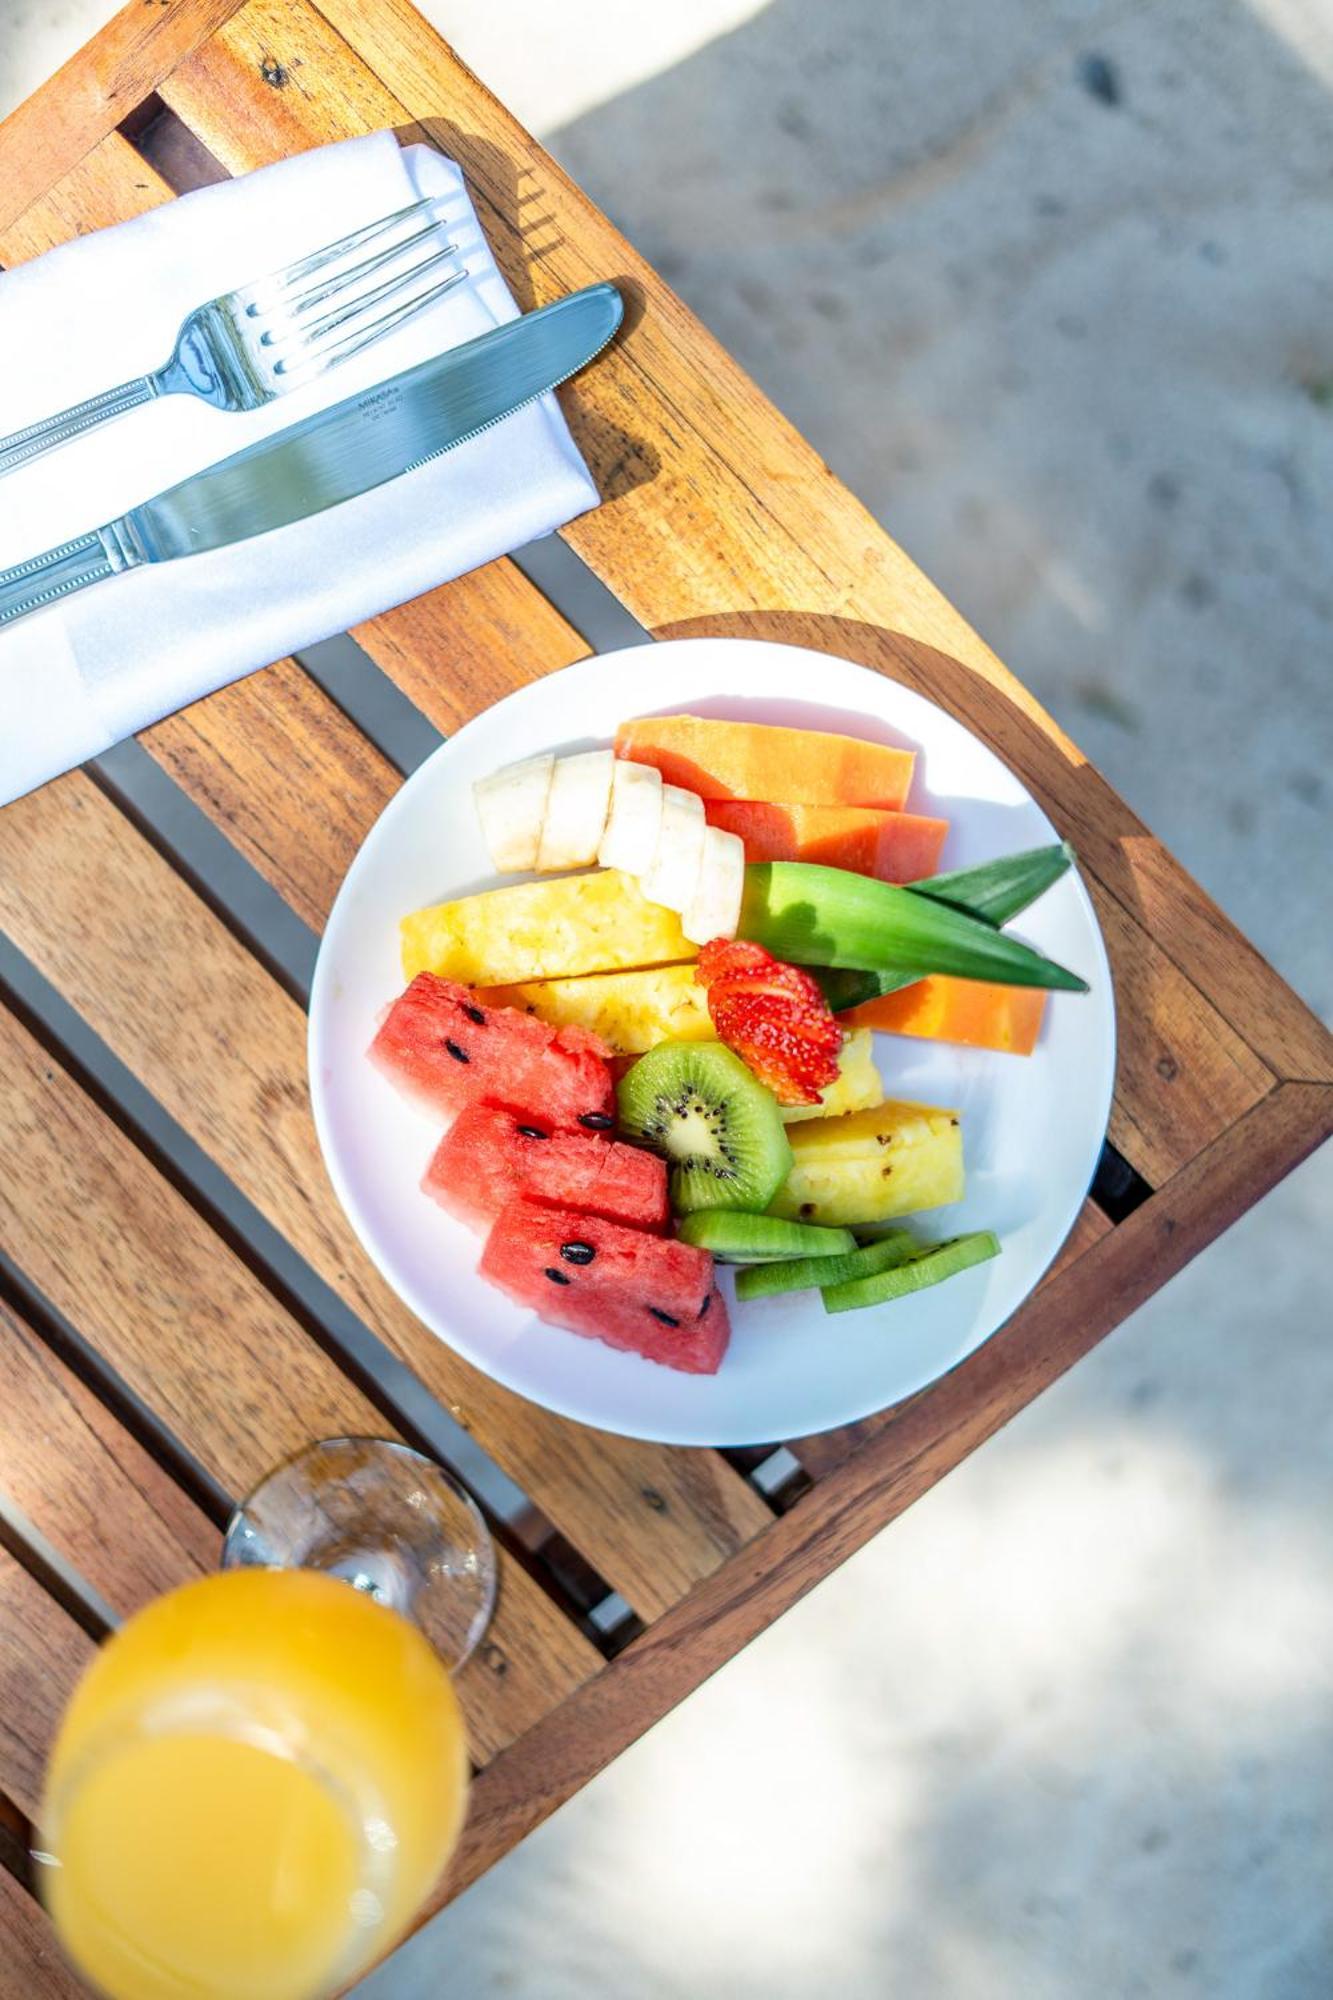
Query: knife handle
[40, 580]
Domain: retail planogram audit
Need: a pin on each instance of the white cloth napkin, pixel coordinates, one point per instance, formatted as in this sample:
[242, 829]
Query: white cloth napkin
[80, 674]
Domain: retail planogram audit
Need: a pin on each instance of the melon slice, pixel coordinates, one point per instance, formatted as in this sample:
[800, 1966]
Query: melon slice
[648, 1295]
[491, 1153]
[440, 1045]
[755, 760]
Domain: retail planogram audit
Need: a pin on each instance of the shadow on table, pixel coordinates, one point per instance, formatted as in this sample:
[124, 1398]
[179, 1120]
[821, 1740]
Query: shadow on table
[517, 219]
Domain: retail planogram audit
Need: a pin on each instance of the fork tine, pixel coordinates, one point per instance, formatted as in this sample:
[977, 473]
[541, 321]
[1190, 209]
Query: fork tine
[344, 280]
[317, 259]
[310, 334]
[328, 355]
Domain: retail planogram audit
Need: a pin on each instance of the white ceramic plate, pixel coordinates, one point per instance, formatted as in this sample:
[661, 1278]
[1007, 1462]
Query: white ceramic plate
[1032, 1127]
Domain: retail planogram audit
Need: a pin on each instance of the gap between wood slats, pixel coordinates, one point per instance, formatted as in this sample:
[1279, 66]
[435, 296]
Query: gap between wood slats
[15, 1840]
[366, 1362]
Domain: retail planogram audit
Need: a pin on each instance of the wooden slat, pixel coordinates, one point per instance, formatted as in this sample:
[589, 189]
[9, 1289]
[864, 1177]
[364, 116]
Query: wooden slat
[53, 129]
[724, 519]
[194, 1334]
[87, 1485]
[1182, 1073]
[223, 1047]
[42, 1654]
[460, 648]
[291, 782]
[31, 1965]
[281, 769]
[1060, 1323]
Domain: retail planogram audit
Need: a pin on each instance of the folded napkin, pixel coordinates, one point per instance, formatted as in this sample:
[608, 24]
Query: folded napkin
[80, 674]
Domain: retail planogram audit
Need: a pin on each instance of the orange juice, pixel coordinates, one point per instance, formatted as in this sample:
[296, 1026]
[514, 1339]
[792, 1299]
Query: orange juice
[254, 1787]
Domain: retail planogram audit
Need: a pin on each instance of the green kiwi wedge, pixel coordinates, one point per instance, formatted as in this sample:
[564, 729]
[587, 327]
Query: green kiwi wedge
[804, 1274]
[931, 1266]
[737, 1237]
[711, 1119]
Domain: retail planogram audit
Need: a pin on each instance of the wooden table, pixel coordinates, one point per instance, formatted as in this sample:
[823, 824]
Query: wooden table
[159, 1346]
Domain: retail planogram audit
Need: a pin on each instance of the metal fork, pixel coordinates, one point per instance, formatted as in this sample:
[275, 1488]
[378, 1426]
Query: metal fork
[276, 334]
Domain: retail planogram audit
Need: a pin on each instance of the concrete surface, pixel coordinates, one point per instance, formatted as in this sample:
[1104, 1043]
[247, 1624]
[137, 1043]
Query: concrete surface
[1049, 283]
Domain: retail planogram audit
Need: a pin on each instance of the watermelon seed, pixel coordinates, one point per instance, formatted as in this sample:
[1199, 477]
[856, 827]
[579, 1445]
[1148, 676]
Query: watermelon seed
[577, 1253]
[704, 1307]
[475, 1014]
[656, 1312]
[597, 1121]
[459, 1055]
[532, 1132]
[557, 1277]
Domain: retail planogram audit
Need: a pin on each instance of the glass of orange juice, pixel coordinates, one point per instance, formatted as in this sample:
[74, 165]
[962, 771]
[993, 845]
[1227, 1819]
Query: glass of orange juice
[264, 1773]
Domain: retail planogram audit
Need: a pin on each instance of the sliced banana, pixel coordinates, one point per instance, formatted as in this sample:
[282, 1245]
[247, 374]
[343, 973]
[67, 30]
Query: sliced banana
[714, 910]
[576, 810]
[635, 822]
[680, 846]
[511, 805]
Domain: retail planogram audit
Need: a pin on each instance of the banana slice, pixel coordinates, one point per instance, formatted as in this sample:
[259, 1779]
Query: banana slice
[511, 805]
[675, 870]
[714, 910]
[635, 822]
[576, 810]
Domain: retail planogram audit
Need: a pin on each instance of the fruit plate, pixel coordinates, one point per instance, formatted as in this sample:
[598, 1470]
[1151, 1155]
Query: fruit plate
[1032, 1126]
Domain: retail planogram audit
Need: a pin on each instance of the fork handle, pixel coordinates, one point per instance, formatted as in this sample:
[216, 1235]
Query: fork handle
[40, 580]
[20, 447]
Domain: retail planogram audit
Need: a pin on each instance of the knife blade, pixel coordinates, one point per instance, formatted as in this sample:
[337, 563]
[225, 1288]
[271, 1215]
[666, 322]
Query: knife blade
[335, 454]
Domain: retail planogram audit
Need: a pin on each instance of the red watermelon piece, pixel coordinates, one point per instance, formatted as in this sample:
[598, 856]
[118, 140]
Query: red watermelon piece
[650, 1295]
[438, 1043]
[491, 1153]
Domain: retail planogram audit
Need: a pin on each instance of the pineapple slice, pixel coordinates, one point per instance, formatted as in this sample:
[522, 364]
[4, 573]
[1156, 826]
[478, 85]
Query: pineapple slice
[543, 930]
[856, 1087]
[633, 1011]
[890, 1160]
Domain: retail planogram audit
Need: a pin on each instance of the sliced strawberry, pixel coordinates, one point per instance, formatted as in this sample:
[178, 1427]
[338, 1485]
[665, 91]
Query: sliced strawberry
[774, 1016]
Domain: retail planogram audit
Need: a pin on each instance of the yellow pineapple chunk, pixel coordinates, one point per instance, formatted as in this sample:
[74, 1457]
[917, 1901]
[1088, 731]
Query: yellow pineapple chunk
[543, 930]
[633, 1011]
[890, 1160]
[856, 1087]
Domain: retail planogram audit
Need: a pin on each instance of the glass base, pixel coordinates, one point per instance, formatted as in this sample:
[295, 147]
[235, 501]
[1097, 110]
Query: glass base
[387, 1520]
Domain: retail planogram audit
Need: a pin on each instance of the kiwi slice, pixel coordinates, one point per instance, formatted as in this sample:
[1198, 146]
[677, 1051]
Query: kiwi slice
[934, 1263]
[737, 1237]
[803, 1274]
[712, 1120]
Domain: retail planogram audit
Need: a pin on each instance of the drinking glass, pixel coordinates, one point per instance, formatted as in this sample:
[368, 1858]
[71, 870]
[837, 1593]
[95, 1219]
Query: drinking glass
[263, 1774]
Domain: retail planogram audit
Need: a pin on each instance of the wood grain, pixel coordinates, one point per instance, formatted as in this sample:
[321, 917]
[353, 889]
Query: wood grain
[42, 1654]
[1060, 1323]
[97, 88]
[223, 1047]
[86, 1485]
[290, 781]
[775, 529]
[296, 787]
[461, 647]
[31, 1965]
[195, 1335]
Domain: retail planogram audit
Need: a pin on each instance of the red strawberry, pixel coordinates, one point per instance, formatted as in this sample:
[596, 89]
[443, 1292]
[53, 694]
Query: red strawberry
[774, 1016]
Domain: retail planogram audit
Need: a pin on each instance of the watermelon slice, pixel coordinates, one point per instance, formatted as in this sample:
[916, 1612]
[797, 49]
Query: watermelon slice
[491, 1153]
[650, 1295]
[438, 1043]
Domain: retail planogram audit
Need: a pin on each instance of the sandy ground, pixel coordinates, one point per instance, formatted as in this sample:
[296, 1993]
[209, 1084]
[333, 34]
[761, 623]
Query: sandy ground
[1049, 284]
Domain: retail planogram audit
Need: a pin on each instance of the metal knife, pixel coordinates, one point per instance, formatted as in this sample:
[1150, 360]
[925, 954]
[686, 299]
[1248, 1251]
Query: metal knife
[334, 455]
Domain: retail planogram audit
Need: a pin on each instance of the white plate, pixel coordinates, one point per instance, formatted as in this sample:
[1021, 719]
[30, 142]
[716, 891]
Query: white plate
[1032, 1127]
